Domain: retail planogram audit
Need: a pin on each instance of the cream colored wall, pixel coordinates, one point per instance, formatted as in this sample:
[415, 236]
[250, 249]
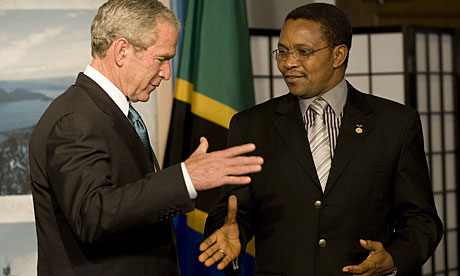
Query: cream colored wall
[163, 107]
[269, 14]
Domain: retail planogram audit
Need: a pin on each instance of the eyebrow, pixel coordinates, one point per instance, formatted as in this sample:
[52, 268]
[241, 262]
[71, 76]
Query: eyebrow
[164, 56]
[296, 46]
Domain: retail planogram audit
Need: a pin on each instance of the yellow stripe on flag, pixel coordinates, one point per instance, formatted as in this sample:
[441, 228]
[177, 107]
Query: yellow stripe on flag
[203, 106]
[251, 247]
[196, 221]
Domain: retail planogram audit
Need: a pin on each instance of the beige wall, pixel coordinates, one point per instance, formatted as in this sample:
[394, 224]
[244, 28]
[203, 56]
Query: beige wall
[269, 14]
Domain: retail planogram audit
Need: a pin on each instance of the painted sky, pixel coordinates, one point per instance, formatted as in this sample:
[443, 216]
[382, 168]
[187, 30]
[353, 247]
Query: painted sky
[36, 44]
[50, 4]
[18, 247]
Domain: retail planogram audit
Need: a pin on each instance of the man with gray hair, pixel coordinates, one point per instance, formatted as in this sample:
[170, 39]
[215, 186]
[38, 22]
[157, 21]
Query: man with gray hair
[102, 204]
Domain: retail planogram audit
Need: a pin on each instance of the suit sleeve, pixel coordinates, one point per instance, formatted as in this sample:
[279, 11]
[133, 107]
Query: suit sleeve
[417, 227]
[243, 193]
[93, 202]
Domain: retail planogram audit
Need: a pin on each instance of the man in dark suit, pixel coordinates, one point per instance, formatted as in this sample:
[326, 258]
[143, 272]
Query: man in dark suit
[345, 188]
[102, 205]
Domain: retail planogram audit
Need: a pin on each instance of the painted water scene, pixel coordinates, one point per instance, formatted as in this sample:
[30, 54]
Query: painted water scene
[42, 52]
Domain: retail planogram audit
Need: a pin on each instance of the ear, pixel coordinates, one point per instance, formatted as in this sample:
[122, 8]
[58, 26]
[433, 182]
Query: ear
[339, 53]
[120, 50]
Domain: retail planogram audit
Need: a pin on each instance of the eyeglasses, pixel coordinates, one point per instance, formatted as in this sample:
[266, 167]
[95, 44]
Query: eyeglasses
[300, 55]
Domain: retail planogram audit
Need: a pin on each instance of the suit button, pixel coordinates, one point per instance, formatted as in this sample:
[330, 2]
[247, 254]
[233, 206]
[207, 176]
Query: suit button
[318, 204]
[322, 243]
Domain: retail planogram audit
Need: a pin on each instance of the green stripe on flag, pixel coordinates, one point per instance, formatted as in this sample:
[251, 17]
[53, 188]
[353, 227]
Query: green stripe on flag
[215, 54]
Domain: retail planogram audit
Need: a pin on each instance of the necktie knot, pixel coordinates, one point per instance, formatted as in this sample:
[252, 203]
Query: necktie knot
[133, 116]
[318, 106]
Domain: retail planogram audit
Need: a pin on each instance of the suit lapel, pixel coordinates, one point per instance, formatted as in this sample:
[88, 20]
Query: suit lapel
[119, 121]
[291, 128]
[132, 140]
[357, 114]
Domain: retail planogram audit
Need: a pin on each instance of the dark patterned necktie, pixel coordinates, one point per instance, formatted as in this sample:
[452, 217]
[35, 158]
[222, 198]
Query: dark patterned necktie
[141, 130]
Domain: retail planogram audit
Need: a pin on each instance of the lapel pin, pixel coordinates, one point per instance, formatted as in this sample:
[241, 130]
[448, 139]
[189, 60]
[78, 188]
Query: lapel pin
[359, 129]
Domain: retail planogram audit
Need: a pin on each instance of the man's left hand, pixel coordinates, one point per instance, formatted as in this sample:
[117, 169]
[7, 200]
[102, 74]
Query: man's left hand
[378, 263]
[224, 244]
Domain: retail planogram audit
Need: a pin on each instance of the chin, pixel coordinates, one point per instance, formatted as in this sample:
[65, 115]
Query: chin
[301, 94]
[296, 92]
[145, 96]
[145, 99]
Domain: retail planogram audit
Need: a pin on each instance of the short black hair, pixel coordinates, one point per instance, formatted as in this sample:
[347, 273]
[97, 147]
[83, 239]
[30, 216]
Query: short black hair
[335, 24]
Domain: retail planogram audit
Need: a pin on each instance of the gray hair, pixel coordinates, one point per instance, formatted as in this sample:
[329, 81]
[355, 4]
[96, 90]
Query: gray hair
[135, 20]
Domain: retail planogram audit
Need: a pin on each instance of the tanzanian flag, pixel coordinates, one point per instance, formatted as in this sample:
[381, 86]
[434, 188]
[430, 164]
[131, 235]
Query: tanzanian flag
[213, 82]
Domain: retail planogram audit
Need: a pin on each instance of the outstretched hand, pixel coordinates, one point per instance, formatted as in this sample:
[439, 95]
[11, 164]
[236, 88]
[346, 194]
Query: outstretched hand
[378, 263]
[214, 169]
[224, 244]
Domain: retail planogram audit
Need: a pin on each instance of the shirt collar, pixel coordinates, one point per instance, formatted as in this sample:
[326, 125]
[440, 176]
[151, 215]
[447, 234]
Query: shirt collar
[336, 98]
[114, 93]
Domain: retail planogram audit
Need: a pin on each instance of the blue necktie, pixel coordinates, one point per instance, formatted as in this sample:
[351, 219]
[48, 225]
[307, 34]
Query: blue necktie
[141, 130]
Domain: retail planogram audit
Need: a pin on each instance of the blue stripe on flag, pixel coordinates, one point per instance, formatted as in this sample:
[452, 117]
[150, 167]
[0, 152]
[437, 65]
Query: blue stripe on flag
[188, 243]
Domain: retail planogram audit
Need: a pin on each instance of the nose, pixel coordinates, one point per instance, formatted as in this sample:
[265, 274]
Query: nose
[291, 60]
[165, 70]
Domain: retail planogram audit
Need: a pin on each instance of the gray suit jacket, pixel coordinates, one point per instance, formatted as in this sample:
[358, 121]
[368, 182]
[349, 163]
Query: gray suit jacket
[378, 189]
[100, 209]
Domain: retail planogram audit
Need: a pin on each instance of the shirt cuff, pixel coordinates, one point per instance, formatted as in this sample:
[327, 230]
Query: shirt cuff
[235, 264]
[394, 273]
[188, 182]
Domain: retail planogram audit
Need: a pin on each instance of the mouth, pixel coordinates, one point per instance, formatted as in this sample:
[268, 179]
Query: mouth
[154, 86]
[293, 78]
[293, 74]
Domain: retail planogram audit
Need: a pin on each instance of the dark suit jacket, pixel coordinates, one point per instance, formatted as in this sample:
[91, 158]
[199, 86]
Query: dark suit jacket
[100, 209]
[378, 189]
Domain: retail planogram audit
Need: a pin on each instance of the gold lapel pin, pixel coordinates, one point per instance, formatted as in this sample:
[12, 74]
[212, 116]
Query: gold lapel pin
[359, 129]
